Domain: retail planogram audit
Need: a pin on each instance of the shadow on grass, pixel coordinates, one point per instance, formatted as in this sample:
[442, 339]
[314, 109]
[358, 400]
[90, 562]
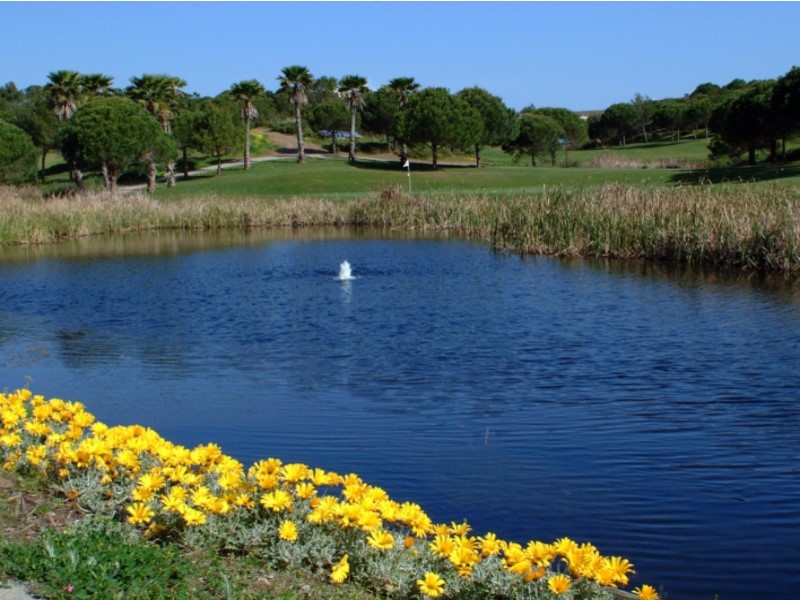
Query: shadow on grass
[395, 165]
[737, 174]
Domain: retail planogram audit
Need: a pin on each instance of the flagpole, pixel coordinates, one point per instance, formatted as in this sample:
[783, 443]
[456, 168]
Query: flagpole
[408, 166]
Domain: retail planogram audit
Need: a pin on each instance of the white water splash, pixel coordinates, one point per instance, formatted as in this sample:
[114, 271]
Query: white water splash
[345, 273]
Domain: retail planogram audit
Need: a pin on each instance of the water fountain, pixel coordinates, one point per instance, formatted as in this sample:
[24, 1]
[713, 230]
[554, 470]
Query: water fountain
[345, 273]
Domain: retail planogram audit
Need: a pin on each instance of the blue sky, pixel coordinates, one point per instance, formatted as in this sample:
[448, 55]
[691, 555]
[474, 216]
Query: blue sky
[575, 55]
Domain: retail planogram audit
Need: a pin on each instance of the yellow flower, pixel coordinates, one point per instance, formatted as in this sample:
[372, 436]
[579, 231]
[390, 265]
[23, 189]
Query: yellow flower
[559, 584]
[646, 592]
[244, 500]
[618, 569]
[305, 490]
[340, 570]
[193, 516]
[288, 531]
[460, 529]
[442, 546]
[489, 545]
[277, 500]
[139, 513]
[381, 539]
[294, 472]
[432, 586]
[36, 455]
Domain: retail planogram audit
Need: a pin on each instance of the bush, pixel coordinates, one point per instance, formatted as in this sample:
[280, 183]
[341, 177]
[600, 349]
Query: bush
[17, 155]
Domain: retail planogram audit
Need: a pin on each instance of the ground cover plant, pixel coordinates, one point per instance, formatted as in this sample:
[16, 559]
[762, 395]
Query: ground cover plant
[128, 479]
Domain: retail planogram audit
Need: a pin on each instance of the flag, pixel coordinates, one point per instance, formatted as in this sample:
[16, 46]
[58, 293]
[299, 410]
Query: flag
[406, 164]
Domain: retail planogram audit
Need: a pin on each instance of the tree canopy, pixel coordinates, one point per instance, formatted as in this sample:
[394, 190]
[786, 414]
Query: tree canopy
[112, 133]
[436, 118]
[17, 155]
[496, 118]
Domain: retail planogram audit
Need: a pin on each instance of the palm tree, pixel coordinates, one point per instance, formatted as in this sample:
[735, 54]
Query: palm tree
[245, 92]
[295, 80]
[96, 84]
[158, 94]
[64, 94]
[353, 88]
[403, 87]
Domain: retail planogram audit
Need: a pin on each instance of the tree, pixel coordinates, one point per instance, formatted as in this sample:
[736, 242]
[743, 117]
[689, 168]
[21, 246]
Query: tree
[10, 99]
[330, 116]
[323, 89]
[670, 115]
[65, 93]
[575, 129]
[17, 155]
[618, 120]
[246, 92]
[96, 85]
[184, 130]
[786, 105]
[538, 135]
[747, 123]
[36, 119]
[159, 95]
[698, 112]
[112, 133]
[643, 112]
[403, 87]
[436, 118]
[353, 88]
[215, 130]
[380, 112]
[163, 149]
[495, 118]
[294, 81]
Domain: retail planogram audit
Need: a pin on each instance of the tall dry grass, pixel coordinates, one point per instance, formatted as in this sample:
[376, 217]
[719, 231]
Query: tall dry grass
[744, 226]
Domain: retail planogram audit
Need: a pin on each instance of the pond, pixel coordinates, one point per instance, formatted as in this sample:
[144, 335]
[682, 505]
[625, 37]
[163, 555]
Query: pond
[652, 411]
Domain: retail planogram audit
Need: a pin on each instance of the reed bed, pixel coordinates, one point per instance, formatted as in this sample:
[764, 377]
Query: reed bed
[744, 226]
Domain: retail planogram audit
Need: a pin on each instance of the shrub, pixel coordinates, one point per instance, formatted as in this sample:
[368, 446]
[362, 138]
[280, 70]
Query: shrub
[17, 155]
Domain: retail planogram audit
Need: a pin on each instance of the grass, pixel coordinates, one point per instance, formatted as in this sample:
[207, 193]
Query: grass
[52, 544]
[745, 217]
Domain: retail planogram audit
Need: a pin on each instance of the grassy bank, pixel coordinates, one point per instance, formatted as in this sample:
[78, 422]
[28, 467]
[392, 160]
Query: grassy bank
[749, 226]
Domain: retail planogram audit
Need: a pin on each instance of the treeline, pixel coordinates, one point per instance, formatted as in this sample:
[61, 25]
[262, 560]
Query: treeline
[153, 122]
[743, 117]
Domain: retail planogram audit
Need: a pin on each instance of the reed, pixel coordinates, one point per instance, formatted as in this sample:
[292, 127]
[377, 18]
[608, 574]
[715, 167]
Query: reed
[740, 225]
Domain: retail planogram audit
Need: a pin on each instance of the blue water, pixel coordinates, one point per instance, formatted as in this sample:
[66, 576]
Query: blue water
[653, 412]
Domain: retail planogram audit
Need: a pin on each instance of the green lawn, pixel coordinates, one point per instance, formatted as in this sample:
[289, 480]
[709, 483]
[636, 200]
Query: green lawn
[325, 176]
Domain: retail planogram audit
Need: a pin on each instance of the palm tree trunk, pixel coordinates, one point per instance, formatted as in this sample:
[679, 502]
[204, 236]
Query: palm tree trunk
[298, 121]
[246, 144]
[477, 155]
[151, 177]
[170, 173]
[351, 155]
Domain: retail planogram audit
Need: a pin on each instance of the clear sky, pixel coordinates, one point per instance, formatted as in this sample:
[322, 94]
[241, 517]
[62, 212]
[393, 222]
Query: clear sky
[575, 55]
